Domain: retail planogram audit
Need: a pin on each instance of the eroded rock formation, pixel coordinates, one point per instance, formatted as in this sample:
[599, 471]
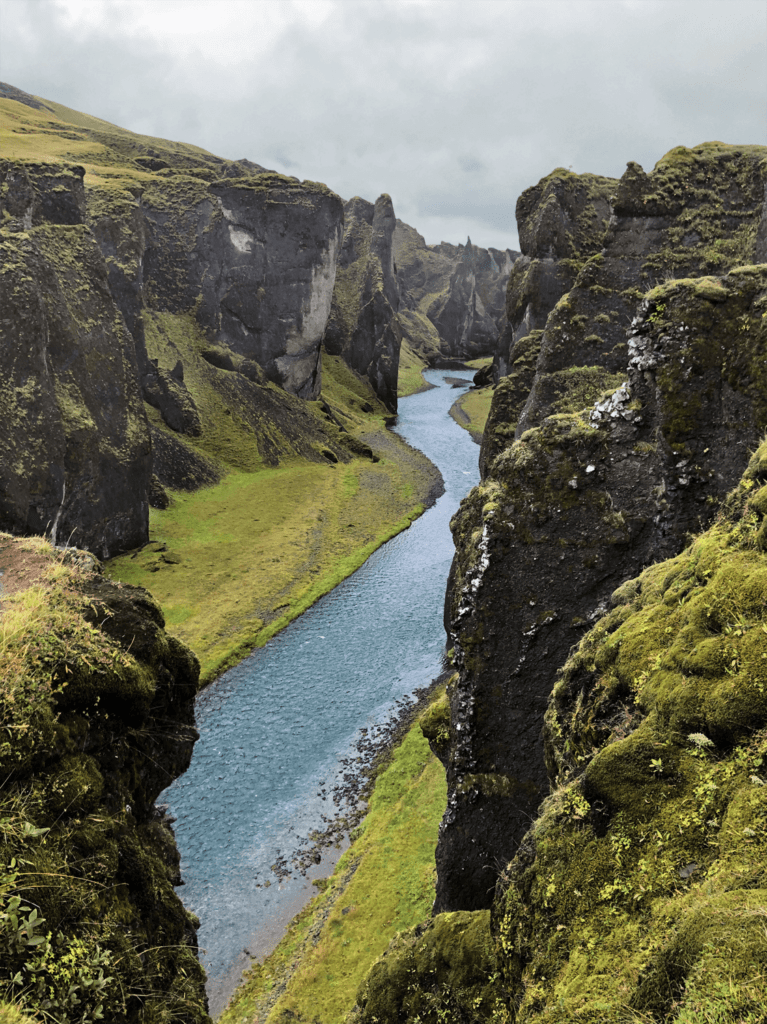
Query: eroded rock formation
[584, 484]
[459, 289]
[362, 327]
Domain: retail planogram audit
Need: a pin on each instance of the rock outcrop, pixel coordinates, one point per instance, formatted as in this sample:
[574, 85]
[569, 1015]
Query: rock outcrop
[584, 484]
[362, 326]
[459, 289]
[75, 446]
[633, 696]
[257, 256]
[98, 707]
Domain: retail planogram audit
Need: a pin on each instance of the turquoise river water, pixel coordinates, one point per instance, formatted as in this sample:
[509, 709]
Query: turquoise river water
[275, 730]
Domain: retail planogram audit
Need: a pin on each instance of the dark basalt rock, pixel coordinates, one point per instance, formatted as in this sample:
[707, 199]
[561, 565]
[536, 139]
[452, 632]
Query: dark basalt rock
[257, 255]
[562, 222]
[75, 445]
[587, 484]
[362, 326]
[461, 289]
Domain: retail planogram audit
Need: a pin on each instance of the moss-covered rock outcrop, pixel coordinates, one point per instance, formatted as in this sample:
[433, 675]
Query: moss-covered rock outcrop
[639, 892]
[98, 715]
[623, 447]
[75, 449]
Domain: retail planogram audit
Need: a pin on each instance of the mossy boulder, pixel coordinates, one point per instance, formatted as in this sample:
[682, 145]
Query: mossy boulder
[444, 969]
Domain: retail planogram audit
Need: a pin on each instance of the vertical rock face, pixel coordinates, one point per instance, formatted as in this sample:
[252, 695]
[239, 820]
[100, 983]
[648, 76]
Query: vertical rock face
[461, 289]
[562, 222]
[362, 327]
[257, 256]
[603, 452]
[471, 314]
[75, 444]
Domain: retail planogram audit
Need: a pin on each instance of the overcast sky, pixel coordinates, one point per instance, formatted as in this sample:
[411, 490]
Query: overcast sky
[452, 107]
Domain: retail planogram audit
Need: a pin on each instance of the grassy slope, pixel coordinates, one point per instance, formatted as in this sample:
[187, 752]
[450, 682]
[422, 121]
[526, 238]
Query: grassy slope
[411, 366]
[382, 884]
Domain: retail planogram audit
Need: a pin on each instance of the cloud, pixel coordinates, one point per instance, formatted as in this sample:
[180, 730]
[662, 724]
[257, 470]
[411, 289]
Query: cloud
[452, 108]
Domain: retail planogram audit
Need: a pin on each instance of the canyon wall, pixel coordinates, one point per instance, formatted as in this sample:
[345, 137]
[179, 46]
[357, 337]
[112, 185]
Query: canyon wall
[460, 290]
[629, 437]
[362, 327]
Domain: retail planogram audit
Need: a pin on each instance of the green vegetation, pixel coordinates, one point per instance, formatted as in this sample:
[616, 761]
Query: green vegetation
[419, 348]
[471, 410]
[84, 667]
[383, 883]
[410, 375]
[650, 855]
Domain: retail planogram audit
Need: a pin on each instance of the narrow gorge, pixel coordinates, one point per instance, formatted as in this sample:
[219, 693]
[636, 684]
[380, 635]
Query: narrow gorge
[225, 391]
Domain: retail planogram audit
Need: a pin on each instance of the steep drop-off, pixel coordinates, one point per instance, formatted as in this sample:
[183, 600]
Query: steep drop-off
[97, 705]
[583, 484]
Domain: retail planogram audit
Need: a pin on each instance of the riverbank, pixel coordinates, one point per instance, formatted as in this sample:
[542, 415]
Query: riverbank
[471, 410]
[232, 564]
[383, 883]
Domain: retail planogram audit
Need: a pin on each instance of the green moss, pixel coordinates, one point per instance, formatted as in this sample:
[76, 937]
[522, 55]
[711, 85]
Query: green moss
[442, 970]
[648, 860]
[77, 841]
[435, 724]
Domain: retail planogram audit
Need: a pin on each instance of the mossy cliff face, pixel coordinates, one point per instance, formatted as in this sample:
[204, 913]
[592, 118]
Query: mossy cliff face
[99, 718]
[605, 482]
[459, 289]
[75, 448]
[566, 513]
[638, 893]
[362, 327]
[562, 223]
[698, 212]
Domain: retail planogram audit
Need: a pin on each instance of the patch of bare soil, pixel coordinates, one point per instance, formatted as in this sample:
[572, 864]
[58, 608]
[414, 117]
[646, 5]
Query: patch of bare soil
[19, 568]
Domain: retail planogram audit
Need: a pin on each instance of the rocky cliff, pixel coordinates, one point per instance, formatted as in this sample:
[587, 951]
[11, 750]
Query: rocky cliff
[167, 310]
[460, 290]
[98, 713]
[76, 452]
[624, 446]
[362, 327]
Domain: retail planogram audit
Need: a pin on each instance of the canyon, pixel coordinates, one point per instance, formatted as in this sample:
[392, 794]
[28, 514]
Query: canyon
[174, 325]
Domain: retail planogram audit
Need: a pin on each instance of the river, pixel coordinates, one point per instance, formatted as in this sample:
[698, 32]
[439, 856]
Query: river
[274, 729]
